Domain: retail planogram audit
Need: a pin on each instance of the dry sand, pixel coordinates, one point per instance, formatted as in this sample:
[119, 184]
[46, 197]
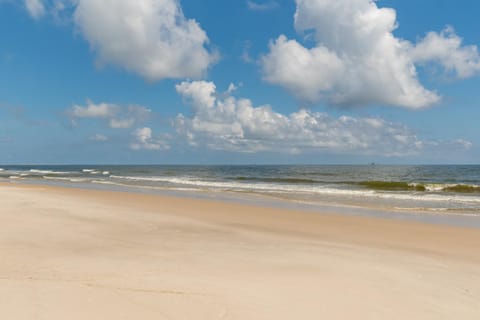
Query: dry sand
[83, 254]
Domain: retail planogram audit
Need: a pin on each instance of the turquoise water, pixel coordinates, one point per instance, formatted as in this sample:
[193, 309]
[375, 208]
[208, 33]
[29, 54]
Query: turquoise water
[439, 189]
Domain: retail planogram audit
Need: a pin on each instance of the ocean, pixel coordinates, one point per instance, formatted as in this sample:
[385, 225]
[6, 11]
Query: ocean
[440, 189]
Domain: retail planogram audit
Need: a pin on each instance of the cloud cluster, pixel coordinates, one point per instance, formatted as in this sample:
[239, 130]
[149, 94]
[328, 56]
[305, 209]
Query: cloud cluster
[356, 59]
[349, 56]
[120, 117]
[144, 140]
[223, 122]
[116, 116]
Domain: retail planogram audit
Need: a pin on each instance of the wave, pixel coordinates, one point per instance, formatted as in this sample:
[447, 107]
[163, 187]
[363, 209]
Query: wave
[309, 185]
[319, 190]
[230, 185]
[33, 174]
[37, 171]
[108, 182]
[69, 179]
[462, 188]
[280, 180]
[420, 187]
[152, 179]
[21, 175]
[40, 171]
[392, 185]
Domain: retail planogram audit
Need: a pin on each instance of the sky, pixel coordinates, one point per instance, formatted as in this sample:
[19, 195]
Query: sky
[239, 82]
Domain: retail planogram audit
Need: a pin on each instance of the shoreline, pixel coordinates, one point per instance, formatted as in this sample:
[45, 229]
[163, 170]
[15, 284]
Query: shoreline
[76, 253]
[451, 218]
[431, 190]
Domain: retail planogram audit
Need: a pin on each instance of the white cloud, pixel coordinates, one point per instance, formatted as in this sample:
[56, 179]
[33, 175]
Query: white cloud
[117, 117]
[35, 8]
[445, 48]
[226, 123]
[200, 93]
[306, 72]
[91, 110]
[357, 60]
[255, 6]
[150, 37]
[144, 140]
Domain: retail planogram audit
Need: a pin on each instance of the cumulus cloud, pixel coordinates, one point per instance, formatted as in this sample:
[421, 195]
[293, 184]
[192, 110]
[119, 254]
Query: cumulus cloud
[145, 141]
[150, 37]
[223, 122]
[357, 60]
[92, 110]
[35, 8]
[306, 72]
[445, 48]
[116, 116]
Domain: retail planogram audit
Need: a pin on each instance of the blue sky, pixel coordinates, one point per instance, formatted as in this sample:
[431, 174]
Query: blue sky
[306, 81]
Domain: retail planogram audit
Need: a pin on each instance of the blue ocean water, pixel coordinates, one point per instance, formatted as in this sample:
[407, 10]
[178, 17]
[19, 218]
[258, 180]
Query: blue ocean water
[442, 189]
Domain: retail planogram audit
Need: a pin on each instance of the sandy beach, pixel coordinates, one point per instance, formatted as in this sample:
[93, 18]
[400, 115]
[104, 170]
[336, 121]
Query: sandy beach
[83, 254]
